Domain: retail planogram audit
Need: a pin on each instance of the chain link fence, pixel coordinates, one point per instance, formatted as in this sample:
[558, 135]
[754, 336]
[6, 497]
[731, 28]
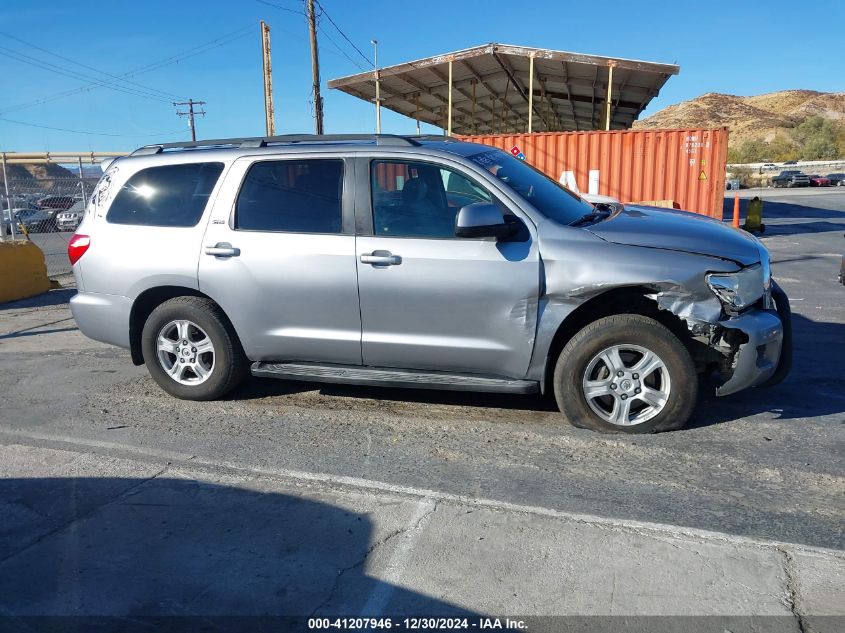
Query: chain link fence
[46, 211]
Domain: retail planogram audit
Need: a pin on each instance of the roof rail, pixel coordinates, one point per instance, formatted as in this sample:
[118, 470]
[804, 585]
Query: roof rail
[432, 137]
[264, 141]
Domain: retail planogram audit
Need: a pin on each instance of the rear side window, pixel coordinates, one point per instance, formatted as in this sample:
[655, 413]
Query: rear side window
[295, 196]
[170, 195]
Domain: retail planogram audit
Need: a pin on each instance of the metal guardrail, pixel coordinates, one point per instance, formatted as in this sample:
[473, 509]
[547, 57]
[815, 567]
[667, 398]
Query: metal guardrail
[803, 165]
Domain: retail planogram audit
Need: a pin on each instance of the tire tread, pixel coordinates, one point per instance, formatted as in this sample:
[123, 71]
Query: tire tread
[632, 327]
[238, 366]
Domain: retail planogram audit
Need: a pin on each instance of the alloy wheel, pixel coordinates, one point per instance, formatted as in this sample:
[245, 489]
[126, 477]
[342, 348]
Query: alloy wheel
[185, 352]
[626, 384]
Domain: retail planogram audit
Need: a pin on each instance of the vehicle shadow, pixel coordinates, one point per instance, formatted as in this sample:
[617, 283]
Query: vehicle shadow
[789, 211]
[257, 388]
[57, 297]
[37, 332]
[814, 387]
[122, 554]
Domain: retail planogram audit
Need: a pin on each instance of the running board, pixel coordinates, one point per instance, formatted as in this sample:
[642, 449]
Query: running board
[388, 377]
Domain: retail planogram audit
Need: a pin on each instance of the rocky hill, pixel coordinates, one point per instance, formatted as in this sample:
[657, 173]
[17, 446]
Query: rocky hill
[760, 118]
[36, 171]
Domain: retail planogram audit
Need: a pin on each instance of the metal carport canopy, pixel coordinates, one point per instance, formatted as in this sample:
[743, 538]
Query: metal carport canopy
[498, 88]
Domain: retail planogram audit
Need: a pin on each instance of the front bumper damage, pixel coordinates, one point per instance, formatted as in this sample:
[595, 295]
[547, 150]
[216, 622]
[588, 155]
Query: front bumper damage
[757, 346]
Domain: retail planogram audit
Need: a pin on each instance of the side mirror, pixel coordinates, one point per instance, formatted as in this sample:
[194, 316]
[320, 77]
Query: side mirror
[483, 219]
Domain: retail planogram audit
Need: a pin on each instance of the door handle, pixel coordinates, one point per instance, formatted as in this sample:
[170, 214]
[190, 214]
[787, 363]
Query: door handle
[222, 249]
[381, 258]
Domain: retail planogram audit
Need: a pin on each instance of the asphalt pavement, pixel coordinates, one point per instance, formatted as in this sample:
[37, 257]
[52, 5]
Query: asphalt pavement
[763, 466]
[54, 246]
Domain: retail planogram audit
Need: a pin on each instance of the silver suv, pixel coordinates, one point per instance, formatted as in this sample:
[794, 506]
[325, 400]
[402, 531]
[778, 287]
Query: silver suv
[418, 262]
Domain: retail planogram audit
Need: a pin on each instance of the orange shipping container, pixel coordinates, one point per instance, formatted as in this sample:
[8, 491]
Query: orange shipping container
[684, 166]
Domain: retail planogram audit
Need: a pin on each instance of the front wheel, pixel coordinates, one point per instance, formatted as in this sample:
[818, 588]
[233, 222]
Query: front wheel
[626, 373]
[191, 350]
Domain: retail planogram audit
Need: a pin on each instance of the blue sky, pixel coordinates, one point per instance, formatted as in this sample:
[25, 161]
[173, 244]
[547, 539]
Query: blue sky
[736, 47]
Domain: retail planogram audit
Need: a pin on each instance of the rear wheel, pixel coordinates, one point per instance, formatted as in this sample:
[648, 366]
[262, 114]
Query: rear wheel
[626, 373]
[191, 350]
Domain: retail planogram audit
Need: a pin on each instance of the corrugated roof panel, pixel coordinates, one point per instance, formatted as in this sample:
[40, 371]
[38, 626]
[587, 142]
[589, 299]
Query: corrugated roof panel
[491, 85]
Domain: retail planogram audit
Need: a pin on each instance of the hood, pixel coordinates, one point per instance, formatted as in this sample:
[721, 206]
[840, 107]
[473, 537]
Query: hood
[678, 231]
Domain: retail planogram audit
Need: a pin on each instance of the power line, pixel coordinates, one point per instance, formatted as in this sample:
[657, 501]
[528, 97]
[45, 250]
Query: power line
[192, 52]
[60, 70]
[280, 7]
[173, 59]
[97, 70]
[191, 113]
[62, 129]
[339, 30]
[339, 52]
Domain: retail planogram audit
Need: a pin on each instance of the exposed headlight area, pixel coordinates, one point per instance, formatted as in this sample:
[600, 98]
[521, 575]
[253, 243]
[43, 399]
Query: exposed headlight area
[740, 290]
[765, 262]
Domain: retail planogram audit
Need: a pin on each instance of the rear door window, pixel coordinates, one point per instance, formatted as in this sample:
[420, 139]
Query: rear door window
[169, 195]
[293, 196]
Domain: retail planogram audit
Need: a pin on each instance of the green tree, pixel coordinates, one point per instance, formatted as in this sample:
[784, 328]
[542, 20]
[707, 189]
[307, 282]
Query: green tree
[743, 174]
[782, 148]
[820, 148]
[817, 138]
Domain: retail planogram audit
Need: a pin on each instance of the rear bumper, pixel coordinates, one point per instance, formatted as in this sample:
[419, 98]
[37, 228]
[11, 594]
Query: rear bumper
[102, 317]
[766, 357]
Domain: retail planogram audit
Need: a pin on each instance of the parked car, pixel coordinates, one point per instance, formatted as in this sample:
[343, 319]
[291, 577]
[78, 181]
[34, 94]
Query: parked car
[57, 202]
[836, 180]
[791, 178]
[70, 219]
[339, 259]
[7, 221]
[819, 181]
[35, 220]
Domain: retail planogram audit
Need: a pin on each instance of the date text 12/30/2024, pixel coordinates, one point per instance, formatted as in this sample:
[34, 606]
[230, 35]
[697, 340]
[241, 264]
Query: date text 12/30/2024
[417, 624]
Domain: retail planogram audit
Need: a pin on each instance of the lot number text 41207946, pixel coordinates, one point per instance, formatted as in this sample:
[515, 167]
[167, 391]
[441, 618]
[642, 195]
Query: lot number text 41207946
[418, 624]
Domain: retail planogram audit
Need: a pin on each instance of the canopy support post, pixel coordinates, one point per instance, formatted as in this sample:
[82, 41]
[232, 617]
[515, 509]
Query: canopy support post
[609, 97]
[530, 94]
[449, 130]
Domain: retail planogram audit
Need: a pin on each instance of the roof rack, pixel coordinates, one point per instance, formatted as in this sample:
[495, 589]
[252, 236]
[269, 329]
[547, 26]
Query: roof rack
[264, 141]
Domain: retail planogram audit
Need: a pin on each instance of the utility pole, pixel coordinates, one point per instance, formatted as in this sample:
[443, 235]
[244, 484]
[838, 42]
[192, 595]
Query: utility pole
[375, 74]
[191, 113]
[315, 66]
[269, 115]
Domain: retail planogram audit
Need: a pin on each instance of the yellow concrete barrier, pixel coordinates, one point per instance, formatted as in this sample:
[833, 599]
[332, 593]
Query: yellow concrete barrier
[23, 272]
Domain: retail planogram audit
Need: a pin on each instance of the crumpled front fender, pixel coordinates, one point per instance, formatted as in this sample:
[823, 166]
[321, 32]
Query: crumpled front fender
[753, 362]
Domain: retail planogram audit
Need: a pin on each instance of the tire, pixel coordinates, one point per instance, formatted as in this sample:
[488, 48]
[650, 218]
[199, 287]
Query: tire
[205, 375]
[632, 335]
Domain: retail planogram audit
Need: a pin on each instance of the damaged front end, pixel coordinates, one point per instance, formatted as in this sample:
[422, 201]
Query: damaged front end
[737, 318]
[757, 346]
[752, 347]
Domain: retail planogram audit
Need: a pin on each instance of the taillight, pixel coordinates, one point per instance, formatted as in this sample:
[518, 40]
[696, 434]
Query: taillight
[77, 246]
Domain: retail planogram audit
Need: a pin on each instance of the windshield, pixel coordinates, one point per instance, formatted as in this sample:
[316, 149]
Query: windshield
[549, 197]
